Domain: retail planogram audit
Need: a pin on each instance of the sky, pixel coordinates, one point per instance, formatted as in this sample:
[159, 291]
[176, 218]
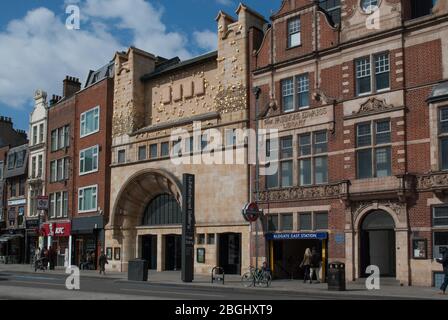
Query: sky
[37, 51]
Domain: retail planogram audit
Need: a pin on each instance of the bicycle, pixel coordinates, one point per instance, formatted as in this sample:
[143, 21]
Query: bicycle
[256, 277]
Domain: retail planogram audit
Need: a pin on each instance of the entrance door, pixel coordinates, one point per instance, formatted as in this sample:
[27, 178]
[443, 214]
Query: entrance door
[149, 251]
[173, 252]
[229, 251]
[378, 243]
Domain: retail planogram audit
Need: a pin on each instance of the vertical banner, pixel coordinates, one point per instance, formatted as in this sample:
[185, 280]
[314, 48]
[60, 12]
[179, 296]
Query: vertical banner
[188, 228]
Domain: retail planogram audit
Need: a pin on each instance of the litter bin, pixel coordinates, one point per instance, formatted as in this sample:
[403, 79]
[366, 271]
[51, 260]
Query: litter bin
[336, 276]
[138, 270]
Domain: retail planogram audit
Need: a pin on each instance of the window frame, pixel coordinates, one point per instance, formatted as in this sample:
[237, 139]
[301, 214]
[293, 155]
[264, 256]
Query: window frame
[312, 156]
[441, 136]
[83, 122]
[82, 198]
[290, 33]
[95, 156]
[372, 60]
[305, 77]
[373, 147]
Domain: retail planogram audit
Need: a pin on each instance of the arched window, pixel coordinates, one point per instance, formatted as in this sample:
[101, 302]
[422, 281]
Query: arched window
[378, 220]
[162, 210]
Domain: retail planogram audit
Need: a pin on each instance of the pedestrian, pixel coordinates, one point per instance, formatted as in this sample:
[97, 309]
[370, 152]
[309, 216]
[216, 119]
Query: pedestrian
[44, 256]
[315, 265]
[444, 262]
[51, 257]
[306, 264]
[102, 260]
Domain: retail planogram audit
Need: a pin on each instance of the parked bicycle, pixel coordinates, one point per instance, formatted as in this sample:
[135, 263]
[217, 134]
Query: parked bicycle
[256, 277]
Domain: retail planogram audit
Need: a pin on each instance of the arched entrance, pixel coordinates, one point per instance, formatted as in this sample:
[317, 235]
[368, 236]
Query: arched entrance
[377, 243]
[163, 210]
[144, 216]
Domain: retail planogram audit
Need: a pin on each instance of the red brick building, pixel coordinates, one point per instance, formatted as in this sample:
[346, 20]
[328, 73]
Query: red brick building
[59, 167]
[357, 92]
[91, 166]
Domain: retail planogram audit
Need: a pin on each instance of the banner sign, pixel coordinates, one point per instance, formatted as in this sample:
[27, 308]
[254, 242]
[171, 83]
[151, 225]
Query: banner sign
[57, 229]
[188, 224]
[296, 236]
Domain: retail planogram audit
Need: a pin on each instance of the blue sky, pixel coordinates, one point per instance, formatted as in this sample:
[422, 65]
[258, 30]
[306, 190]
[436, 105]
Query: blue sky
[38, 51]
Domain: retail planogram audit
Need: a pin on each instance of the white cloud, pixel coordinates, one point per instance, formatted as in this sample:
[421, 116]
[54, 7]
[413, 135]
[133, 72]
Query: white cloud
[38, 50]
[206, 39]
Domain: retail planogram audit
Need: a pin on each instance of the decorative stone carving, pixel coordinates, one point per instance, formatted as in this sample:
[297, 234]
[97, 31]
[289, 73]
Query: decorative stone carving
[338, 190]
[433, 181]
[231, 99]
[373, 105]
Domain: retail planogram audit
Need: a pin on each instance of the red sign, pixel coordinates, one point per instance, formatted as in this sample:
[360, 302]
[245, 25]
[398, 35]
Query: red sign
[251, 212]
[57, 229]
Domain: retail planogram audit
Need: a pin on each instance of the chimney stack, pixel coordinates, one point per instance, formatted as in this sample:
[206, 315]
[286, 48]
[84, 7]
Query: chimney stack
[55, 99]
[71, 86]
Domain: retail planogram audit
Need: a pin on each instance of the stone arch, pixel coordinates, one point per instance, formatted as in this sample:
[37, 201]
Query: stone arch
[136, 193]
[363, 212]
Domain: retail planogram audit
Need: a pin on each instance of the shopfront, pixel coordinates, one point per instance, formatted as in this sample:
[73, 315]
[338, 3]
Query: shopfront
[88, 239]
[58, 235]
[286, 251]
[31, 238]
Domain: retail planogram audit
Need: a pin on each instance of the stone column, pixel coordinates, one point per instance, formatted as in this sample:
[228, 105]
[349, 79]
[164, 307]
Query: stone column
[127, 248]
[160, 253]
[402, 255]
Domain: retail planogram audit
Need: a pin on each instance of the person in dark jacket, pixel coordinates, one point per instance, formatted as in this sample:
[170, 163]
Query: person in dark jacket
[51, 254]
[102, 260]
[315, 265]
[444, 262]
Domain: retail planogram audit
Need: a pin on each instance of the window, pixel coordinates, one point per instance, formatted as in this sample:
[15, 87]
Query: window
[313, 160]
[121, 156]
[20, 158]
[286, 222]
[373, 155]
[87, 199]
[365, 83]
[22, 184]
[165, 149]
[272, 221]
[201, 238]
[162, 210]
[321, 221]
[368, 6]
[294, 35]
[296, 93]
[35, 133]
[1, 170]
[210, 238]
[59, 170]
[420, 8]
[153, 151]
[142, 153]
[41, 133]
[284, 176]
[288, 95]
[39, 166]
[21, 216]
[230, 137]
[60, 138]
[333, 8]
[440, 217]
[11, 160]
[33, 167]
[443, 138]
[59, 205]
[440, 243]
[13, 188]
[305, 222]
[90, 122]
[88, 160]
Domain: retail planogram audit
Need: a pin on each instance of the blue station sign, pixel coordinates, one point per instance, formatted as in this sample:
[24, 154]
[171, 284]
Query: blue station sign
[297, 236]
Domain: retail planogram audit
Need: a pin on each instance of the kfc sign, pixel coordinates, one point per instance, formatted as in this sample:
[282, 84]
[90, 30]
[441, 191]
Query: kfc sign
[56, 229]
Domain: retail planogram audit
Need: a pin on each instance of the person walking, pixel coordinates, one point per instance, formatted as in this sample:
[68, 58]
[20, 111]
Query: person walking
[444, 262]
[315, 265]
[51, 257]
[306, 264]
[102, 261]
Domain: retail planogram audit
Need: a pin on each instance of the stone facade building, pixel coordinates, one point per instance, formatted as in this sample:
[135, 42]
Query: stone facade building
[153, 97]
[357, 91]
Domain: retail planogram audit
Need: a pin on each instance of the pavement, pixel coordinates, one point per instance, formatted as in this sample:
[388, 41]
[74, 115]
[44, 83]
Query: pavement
[232, 287]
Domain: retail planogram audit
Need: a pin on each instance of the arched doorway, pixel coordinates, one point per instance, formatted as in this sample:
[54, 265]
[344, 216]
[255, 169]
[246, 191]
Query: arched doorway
[162, 210]
[377, 243]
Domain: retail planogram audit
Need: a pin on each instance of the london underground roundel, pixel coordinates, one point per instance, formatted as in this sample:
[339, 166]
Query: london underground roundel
[251, 212]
